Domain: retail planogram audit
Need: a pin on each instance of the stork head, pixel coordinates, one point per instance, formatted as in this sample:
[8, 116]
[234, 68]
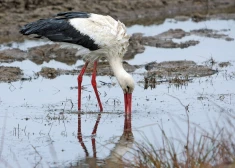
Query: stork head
[127, 84]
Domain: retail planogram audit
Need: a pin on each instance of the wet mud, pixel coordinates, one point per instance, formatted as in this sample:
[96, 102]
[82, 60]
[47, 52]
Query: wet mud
[165, 39]
[103, 68]
[224, 64]
[50, 73]
[177, 73]
[211, 34]
[168, 71]
[14, 14]
[179, 68]
[10, 74]
[11, 55]
[41, 54]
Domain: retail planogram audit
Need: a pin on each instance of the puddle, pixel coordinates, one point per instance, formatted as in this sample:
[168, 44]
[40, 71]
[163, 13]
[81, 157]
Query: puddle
[185, 25]
[24, 45]
[207, 48]
[39, 123]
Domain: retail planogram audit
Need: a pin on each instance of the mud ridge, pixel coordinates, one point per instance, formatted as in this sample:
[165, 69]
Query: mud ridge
[15, 14]
[10, 74]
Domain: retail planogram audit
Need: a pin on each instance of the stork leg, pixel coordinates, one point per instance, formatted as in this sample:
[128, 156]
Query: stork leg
[79, 135]
[93, 135]
[125, 101]
[80, 84]
[93, 82]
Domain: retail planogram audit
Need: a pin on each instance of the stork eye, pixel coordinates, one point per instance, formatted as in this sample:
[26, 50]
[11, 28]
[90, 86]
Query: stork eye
[128, 88]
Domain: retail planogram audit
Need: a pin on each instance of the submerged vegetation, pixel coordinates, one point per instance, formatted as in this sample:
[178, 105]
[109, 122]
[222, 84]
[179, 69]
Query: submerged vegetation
[198, 149]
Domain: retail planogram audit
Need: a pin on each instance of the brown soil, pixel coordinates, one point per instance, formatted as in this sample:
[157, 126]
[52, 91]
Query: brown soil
[178, 68]
[50, 73]
[10, 74]
[103, 68]
[11, 55]
[211, 34]
[15, 14]
[40, 54]
[165, 39]
[174, 72]
[52, 52]
[224, 64]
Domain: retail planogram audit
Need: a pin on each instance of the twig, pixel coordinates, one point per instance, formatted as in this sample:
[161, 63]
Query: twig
[188, 123]
[105, 83]
[71, 103]
[18, 131]
[186, 107]
[50, 129]
[38, 155]
[12, 86]
[57, 90]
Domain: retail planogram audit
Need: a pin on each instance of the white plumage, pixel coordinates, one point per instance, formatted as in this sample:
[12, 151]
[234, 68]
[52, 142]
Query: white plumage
[104, 30]
[108, 33]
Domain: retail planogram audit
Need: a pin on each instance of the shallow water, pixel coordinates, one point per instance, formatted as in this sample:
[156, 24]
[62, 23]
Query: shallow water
[24, 45]
[218, 49]
[39, 120]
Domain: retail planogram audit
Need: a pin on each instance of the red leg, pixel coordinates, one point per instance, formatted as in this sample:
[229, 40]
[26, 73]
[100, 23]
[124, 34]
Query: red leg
[79, 135]
[93, 135]
[80, 84]
[127, 123]
[93, 82]
[128, 102]
[125, 101]
[127, 127]
[96, 124]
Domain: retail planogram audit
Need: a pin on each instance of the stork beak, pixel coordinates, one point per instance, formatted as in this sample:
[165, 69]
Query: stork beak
[128, 102]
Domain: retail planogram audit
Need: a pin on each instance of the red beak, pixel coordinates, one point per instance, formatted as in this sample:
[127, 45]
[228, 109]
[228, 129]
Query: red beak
[128, 101]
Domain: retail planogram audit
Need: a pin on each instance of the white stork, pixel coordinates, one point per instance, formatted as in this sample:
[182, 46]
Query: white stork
[102, 35]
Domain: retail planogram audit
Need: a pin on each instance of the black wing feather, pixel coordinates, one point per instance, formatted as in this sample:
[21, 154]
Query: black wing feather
[58, 29]
[70, 15]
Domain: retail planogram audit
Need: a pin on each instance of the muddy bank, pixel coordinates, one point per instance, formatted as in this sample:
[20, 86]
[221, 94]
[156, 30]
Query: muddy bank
[170, 71]
[11, 55]
[174, 72]
[165, 40]
[182, 68]
[10, 74]
[53, 52]
[14, 14]
[103, 68]
[211, 34]
[224, 64]
[40, 54]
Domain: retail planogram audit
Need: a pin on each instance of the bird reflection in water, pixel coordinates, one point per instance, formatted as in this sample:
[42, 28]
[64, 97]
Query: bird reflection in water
[114, 159]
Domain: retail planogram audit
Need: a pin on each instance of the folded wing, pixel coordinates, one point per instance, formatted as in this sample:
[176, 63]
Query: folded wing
[59, 29]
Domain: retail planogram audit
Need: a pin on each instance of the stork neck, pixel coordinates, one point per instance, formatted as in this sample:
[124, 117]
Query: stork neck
[117, 67]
